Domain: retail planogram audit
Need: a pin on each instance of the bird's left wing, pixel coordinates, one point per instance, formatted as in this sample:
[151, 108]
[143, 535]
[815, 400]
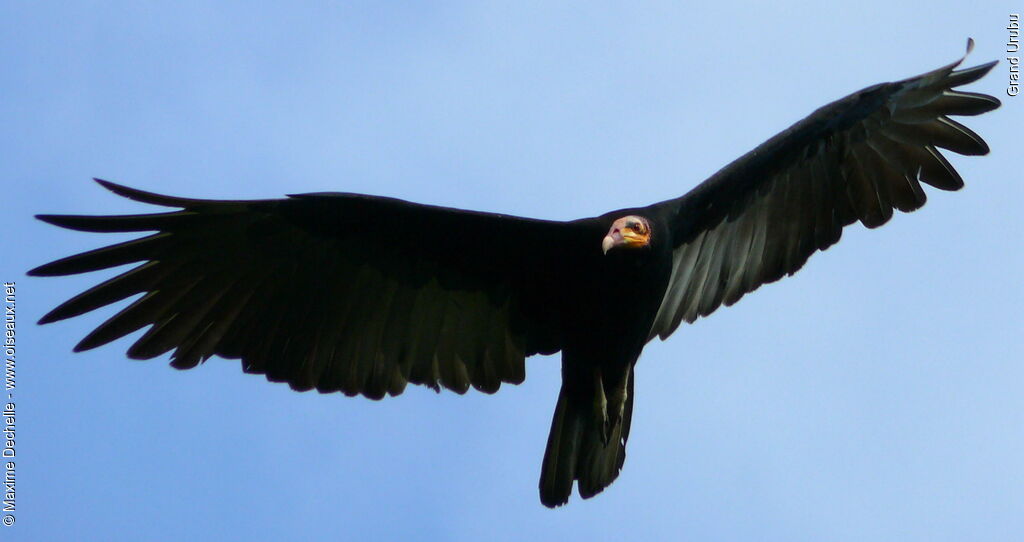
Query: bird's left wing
[338, 292]
[858, 158]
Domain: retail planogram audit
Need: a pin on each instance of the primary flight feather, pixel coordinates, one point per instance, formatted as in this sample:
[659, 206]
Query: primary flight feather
[363, 294]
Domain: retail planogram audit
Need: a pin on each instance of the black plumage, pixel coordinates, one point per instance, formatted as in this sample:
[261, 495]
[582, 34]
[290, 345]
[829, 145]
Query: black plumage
[363, 294]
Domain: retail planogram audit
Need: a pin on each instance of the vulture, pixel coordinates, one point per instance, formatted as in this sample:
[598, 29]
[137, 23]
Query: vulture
[359, 294]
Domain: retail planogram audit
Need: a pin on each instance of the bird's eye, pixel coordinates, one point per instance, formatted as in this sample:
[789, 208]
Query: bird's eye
[636, 226]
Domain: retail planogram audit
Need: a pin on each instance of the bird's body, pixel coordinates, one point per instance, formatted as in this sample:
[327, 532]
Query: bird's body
[363, 294]
[612, 310]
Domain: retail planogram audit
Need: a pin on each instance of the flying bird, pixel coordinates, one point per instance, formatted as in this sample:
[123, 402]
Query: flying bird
[362, 295]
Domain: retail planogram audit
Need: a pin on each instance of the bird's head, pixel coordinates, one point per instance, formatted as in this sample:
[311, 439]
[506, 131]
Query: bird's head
[627, 232]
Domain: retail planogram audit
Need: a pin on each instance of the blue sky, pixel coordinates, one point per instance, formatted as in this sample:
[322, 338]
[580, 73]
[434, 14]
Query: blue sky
[874, 395]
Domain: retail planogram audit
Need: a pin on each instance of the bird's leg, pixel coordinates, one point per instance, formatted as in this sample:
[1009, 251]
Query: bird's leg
[618, 400]
[601, 407]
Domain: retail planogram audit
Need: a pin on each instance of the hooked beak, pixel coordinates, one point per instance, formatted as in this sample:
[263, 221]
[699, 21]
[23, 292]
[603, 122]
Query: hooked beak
[610, 240]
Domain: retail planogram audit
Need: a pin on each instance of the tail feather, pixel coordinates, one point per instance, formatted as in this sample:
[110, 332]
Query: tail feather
[576, 450]
[559, 468]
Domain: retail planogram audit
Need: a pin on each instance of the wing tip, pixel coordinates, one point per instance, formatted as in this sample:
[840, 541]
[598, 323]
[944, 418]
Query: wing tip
[83, 345]
[36, 272]
[967, 51]
[967, 75]
[50, 317]
[49, 219]
[142, 196]
[977, 72]
[45, 270]
[948, 78]
[70, 222]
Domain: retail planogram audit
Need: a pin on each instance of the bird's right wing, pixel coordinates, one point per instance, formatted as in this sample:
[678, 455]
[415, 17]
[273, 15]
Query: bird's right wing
[858, 158]
[338, 292]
